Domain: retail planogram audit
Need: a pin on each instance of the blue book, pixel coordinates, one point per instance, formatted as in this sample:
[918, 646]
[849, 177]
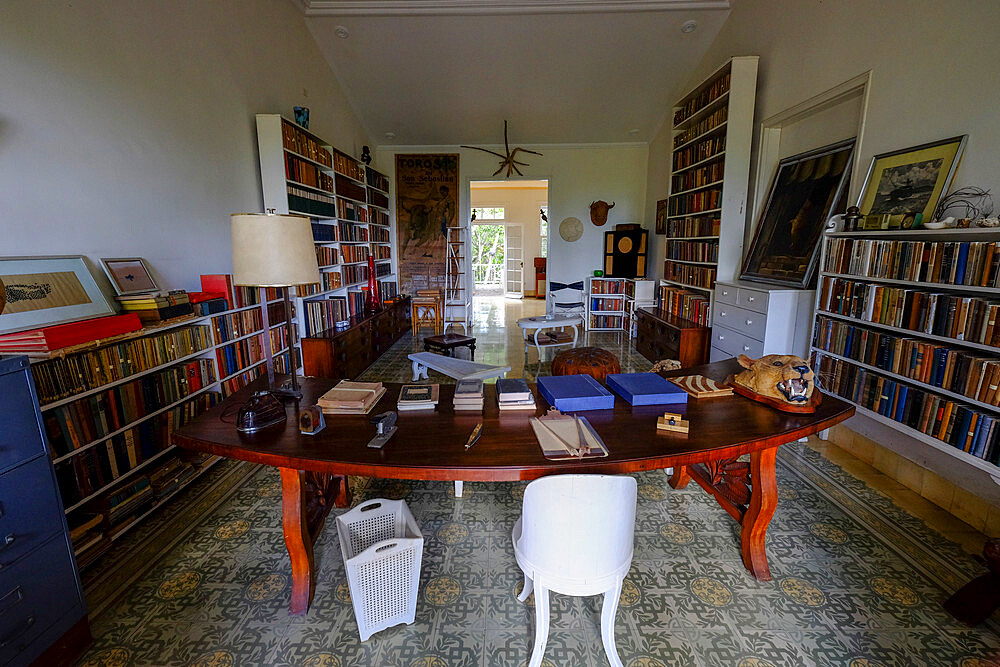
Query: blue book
[572, 393]
[645, 389]
[963, 257]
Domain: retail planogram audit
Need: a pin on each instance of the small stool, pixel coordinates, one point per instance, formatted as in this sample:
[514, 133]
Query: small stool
[427, 308]
[448, 342]
[593, 361]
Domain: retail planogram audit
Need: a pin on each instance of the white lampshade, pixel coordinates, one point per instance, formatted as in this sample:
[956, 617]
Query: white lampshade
[273, 250]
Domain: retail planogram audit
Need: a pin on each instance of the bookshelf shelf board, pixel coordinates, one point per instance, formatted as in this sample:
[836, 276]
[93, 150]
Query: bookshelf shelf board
[329, 267]
[310, 187]
[692, 238]
[703, 135]
[118, 480]
[952, 234]
[689, 215]
[902, 378]
[381, 208]
[355, 242]
[365, 261]
[702, 112]
[329, 222]
[710, 158]
[351, 199]
[322, 167]
[923, 287]
[388, 243]
[700, 187]
[685, 285]
[357, 284]
[375, 224]
[303, 297]
[314, 217]
[685, 261]
[910, 333]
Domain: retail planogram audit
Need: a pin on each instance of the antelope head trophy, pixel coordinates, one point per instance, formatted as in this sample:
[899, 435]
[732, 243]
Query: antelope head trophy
[599, 211]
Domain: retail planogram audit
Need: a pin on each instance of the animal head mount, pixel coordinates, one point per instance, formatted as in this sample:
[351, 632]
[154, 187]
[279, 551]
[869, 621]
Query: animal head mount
[508, 161]
[599, 211]
[785, 378]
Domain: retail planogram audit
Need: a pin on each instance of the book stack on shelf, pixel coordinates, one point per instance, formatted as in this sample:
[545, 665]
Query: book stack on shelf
[605, 304]
[906, 328]
[705, 211]
[157, 306]
[514, 394]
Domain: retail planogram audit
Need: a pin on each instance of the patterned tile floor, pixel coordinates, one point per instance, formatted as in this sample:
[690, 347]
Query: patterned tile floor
[858, 582]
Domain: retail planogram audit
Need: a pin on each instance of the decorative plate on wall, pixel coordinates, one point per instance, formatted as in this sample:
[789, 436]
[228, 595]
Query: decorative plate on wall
[571, 229]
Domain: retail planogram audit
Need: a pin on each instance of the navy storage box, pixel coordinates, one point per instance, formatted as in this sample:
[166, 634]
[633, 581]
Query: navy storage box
[573, 393]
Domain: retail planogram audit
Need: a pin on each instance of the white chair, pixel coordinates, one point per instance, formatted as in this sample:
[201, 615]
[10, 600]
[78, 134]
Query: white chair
[575, 537]
[565, 299]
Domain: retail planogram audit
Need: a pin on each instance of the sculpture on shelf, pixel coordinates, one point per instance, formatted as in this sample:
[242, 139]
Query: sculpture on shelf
[508, 161]
[599, 211]
[366, 155]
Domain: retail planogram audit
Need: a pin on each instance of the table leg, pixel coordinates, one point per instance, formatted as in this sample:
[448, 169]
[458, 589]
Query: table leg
[763, 502]
[680, 478]
[472, 352]
[416, 371]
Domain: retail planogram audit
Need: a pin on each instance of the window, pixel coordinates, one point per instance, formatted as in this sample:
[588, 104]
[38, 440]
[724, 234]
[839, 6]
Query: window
[543, 232]
[489, 213]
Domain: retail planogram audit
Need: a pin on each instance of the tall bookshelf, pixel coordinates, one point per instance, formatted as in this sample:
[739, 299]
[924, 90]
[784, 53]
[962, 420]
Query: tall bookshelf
[906, 329]
[110, 406]
[709, 180]
[348, 204]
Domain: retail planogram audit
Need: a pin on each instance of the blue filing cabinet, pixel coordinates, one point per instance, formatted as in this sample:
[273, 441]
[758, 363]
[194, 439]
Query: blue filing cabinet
[42, 610]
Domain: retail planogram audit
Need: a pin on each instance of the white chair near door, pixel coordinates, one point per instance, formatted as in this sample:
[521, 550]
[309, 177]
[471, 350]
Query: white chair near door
[575, 537]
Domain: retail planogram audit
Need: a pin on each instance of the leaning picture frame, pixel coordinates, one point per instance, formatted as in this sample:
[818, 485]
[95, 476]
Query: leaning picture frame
[129, 275]
[902, 188]
[43, 291]
[806, 190]
[661, 216]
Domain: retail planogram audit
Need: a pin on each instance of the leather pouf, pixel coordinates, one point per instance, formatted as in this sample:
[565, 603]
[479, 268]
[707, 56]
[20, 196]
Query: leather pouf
[592, 361]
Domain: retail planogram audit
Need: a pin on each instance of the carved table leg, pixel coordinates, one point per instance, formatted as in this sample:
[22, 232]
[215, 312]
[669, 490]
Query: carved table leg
[680, 478]
[343, 497]
[763, 502]
[304, 506]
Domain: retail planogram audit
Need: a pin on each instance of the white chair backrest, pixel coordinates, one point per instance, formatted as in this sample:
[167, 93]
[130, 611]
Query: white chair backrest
[579, 525]
[565, 298]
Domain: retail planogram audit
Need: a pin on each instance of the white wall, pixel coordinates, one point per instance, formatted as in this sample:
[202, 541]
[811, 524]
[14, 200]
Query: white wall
[521, 205]
[127, 129]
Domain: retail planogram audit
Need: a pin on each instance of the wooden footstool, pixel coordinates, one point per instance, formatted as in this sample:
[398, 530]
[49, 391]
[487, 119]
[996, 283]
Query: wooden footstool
[448, 342]
[593, 361]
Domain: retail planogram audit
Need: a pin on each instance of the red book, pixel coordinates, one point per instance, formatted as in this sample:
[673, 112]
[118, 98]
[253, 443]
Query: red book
[219, 283]
[198, 297]
[72, 333]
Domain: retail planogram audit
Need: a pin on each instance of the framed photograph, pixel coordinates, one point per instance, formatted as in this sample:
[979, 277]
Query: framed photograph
[129, 275]
[42, 291]
[661, 216]
[903, 188]
[807, 189]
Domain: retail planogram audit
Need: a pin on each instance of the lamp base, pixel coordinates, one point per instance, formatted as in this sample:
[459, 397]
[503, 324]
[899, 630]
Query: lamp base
[287, 391]
[260, 412]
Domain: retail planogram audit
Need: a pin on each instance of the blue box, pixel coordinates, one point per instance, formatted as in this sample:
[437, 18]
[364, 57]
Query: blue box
[573, 393]
[645, 389]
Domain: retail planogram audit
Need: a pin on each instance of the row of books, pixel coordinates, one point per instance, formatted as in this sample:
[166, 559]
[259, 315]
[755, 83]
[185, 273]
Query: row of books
[709, 122]
[76, 424]
[59, 378]
[376, 180]
[240, 323]
[305, 173]
[966, 428]
[294, 139]
[688, 305]
[345, 187]
[325, 314]
[387, 288]
[603, 304]
[973, 263]
[349, 232]
[242, 353]
[605, 321]
[323, 233]
[696, 276]
[377, 217]
[382, 252]
[376, 198]
[355, 273]
[344, 164]
[696, 178]
[328, 280]
[326, 256]
[699, 152]
[311, 202]
[714, 91]
[356, 302]
[355, 253]
[380, 235]
[695, 202]
[353, 211]
[703, 225]
[383, 268]
[964, 318]
[616, 286]
[693, 251]
[958, 371]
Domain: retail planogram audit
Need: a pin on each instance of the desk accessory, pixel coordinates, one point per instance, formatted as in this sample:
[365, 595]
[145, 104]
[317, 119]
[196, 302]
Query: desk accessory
[699, 386]
[563, 437]
[671, 421]
[311, 420]
[261, 411]
[474, 436]
[385, 428]
[645, 389]
[570, 393]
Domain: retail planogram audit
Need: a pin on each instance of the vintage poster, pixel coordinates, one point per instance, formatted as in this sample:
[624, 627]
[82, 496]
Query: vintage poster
[426, 205]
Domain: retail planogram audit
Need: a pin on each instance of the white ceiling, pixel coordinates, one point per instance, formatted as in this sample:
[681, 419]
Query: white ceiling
[444, 72]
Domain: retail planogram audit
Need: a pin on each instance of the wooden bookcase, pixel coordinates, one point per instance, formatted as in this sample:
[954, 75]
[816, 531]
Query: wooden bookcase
[109, 407]
[709, 181]
[605, 304]
[348, 204]
[909, 349]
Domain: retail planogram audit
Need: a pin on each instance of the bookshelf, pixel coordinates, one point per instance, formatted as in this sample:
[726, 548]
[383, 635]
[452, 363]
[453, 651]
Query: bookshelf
[348, 204]
[110, 406]
[605, 304]
[905, 327]
[709, 181]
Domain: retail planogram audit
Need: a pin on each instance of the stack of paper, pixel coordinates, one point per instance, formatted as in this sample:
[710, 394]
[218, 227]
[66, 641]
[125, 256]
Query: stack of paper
[469, 395]
[417, 397]
[566, 436]
[514, 394]
[351, 398]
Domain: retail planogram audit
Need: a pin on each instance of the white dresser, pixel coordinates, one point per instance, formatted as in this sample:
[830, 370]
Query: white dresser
[755, 320]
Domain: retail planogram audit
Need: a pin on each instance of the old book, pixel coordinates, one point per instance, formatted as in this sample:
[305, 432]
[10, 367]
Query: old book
[417, 397]
[351, 396]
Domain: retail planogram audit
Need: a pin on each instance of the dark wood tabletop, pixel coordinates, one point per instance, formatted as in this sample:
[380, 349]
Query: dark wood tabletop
[431, 444]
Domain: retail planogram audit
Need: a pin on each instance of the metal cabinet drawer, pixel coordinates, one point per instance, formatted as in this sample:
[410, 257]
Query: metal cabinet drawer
[753, 299]
[29, 510]
[748, 322]
[727, 294]
[20, 438]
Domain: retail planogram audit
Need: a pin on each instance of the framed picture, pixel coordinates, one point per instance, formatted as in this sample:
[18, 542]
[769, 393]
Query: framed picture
[806, 190]
[903, 188]
[42, 291]
[129, 275]
[661, 216]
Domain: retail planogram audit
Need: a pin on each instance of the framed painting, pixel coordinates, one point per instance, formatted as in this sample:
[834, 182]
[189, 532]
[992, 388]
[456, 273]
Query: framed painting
[129, 275]
[807, 189]
[42, 291]
[426, 207]
[902, 188]
[661, 216]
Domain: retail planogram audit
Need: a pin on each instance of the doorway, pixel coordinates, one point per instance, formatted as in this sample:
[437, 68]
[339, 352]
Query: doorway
[488, 246]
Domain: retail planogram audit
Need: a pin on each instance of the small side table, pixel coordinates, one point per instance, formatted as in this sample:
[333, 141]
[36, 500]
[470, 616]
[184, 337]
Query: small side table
[446, 344]
[541, 340]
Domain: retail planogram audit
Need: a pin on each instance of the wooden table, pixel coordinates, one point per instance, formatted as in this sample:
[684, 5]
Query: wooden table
[430, 446]
[446, 343]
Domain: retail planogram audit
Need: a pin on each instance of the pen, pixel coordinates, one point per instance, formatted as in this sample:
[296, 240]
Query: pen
[474, 436]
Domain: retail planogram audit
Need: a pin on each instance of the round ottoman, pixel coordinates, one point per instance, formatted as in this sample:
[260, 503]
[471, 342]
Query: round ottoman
[593, 361]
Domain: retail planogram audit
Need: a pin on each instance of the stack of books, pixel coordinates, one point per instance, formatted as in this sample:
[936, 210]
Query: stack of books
[59, 336]
[469, 395]
[87, 536]
[351, 398]
[514, 394]
[417, 397]
[157, 306]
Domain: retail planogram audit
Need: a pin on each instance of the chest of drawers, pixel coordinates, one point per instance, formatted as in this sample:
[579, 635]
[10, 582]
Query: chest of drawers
[660, 335]
[755, 320]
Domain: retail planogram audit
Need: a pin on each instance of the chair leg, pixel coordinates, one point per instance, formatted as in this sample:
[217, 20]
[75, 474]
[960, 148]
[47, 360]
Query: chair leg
[526, 590]
[541, 626]
[608, 612]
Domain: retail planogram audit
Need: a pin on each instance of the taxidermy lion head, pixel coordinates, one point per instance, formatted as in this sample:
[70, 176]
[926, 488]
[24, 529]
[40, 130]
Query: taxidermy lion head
[783, 377]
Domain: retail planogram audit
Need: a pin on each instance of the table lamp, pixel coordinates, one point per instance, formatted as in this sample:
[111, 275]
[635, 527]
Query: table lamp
[272, 250]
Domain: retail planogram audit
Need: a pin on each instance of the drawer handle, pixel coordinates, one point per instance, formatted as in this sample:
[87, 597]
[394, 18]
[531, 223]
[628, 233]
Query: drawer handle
[17, 594]
[749, 322]
[17, 632]
[746, 348]
[750, 298]
[722, 313]
[721, 337]
[725, 292]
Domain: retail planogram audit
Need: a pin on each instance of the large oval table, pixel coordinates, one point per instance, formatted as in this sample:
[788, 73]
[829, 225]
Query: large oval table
[430, 445]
